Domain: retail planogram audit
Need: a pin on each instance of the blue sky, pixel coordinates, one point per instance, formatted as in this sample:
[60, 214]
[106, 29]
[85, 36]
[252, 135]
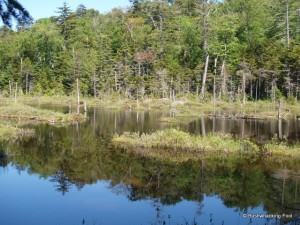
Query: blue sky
[46, 8]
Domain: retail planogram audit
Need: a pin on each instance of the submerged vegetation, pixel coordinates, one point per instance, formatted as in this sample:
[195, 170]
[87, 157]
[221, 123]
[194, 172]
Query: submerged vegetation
[174, 144]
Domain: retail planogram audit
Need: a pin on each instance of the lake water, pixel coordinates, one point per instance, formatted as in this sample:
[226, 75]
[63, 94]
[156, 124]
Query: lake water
[72, 175]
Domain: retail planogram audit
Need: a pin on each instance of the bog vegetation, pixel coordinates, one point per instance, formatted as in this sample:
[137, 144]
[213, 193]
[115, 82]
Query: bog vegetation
[231, 50]
[177, 145]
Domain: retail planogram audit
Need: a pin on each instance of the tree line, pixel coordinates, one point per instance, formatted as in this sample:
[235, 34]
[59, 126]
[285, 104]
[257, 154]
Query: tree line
[232, 50]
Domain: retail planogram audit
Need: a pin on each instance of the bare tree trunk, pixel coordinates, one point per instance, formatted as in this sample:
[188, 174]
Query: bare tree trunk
[223, 74]
[204, 77]
[173, 95]
[288, 78]
[214, 95]
[280, 109]
[95, 88]
[256, 91]
[244, 87]
[280, 129]
[78, 94]
[204, 24]
[273, 91]
[214, 88]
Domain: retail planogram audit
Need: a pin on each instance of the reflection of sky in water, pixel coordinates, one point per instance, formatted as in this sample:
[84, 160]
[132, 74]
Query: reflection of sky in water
[28, 199]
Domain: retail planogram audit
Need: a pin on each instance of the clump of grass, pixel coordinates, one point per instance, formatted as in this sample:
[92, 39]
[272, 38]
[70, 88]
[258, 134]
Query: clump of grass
[179, 145]
[18, 110]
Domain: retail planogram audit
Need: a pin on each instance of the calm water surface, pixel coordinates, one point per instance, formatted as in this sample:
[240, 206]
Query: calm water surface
[72, 175]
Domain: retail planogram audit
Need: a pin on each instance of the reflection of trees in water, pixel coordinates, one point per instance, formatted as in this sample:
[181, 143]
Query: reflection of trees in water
[79, 155]
[157, 205]
[63, 184]
[285, 186]
[3, 157]
[260, 131]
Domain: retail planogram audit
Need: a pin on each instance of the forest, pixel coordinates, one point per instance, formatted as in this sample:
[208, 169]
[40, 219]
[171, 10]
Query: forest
[231, 50]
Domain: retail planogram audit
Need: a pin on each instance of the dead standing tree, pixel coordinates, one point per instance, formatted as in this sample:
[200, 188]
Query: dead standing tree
[244, 72]
[205, 10]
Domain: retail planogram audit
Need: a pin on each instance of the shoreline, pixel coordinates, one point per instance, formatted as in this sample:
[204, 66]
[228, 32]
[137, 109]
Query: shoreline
[183, 107]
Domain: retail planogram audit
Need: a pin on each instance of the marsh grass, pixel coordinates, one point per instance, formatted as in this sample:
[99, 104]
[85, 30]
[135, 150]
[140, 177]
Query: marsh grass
[174, 144]
[22, 111]
[190, 106]
[16, 116]
[179, 145]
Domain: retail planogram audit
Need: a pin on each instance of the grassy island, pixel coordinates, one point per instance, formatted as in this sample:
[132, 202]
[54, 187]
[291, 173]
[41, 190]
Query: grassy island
[177, 145]
[22, 111]
[11, 131]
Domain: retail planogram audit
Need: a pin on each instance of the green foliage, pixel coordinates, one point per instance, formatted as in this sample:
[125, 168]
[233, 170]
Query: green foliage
[156, 49]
